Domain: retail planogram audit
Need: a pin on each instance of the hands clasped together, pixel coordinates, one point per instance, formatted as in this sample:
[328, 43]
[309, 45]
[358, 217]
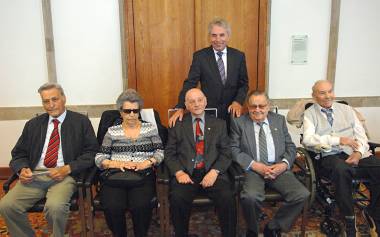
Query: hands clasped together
[127, 165]
[58, 174]
[207, 181]
[269, 171]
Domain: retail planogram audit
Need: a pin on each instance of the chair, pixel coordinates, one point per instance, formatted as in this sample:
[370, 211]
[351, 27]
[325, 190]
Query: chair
[92, 183]
[325, 191]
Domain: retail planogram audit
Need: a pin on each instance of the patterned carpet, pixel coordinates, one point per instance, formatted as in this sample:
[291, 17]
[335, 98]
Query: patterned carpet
[203, 223]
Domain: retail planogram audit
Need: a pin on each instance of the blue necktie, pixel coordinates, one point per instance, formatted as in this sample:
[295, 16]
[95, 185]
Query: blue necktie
[221, 67]
[328, 113]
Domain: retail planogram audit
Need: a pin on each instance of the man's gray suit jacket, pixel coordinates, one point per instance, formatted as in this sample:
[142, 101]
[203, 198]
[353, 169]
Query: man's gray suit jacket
[243, 141]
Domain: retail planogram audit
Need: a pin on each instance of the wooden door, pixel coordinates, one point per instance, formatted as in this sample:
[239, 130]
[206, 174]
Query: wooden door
[163, 34]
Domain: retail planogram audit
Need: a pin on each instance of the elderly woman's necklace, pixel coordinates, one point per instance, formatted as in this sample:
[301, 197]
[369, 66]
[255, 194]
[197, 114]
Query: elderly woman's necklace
[132, 132]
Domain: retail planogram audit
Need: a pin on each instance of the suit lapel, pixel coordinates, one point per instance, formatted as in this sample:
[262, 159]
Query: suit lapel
[214, 65]
[189, 132]
[208, 134]
[43, 130]
[229, 65]
[250, 135]
[274, 131]
[64, 134]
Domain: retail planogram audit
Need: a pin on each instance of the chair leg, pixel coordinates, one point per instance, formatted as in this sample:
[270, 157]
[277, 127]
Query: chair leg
[90, 215]
[164, 215]
[82, 216]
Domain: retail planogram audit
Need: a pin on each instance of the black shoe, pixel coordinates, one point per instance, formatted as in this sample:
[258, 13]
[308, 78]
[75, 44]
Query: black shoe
[250, 233]
[271, 232]
[350, 227]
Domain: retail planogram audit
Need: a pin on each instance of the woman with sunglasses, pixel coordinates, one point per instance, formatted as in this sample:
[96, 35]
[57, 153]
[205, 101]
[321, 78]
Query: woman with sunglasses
[132, 145]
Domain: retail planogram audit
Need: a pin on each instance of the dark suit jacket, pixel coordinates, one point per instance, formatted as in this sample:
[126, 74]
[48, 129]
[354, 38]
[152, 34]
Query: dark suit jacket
[180, 149]
[204, 69]
[243, 141]
[79, 144]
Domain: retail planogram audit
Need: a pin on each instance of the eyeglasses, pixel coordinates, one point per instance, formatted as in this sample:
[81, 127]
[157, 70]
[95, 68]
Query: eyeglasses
[128, 111]
[257, 106]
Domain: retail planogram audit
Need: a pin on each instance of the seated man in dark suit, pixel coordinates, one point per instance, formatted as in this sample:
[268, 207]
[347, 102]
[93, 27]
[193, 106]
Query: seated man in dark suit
[222, 73]
[63, 143]
[263, 147]
[198, 156]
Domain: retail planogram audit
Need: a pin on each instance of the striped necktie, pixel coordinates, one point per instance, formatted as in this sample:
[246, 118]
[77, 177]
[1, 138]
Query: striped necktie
[51, 155]
[329, 116]
[222, 71]
[263, 151]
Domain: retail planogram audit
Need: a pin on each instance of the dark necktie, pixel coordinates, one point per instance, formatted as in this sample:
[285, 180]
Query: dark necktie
[329, 116]
[263, 144]
[222, 71]
[199, 146]
[51, 155]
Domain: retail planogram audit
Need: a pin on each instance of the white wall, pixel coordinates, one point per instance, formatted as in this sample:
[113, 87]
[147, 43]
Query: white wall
[22, 52]
[297, 17]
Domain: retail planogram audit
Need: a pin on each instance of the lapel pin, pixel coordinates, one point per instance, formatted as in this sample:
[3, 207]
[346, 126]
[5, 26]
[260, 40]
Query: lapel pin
[209, 129]
[275, 129]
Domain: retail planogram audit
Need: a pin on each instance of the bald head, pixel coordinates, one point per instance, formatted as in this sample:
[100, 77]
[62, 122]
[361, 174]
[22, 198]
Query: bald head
[323, 93]
[195, 101]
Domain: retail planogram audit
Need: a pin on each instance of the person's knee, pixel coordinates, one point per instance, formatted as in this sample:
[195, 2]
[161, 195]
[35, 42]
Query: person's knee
[342, 171]
[7, 206]
[56, 209]
[252, 198]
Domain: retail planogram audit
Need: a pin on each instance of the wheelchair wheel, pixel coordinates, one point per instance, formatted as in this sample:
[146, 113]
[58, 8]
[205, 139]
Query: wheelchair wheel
[330, 227]
[303, 169]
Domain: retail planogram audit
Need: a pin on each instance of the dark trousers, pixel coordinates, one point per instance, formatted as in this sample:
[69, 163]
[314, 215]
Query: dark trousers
[221, 193]
[341, 175]
[115, 202]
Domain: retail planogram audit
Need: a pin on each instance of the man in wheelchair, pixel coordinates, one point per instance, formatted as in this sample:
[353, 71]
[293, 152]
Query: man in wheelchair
[333, 130]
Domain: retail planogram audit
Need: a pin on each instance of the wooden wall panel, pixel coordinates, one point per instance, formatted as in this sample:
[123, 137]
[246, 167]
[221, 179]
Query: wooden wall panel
[164, 43]
[243, 15]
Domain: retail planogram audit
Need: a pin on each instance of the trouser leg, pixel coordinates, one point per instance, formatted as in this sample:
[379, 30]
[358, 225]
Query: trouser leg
[13, 208]
[341, 175]
[223, 197]
[140, 204]
[57, 206]
[252, 197]
[114, 203]
[295, 196]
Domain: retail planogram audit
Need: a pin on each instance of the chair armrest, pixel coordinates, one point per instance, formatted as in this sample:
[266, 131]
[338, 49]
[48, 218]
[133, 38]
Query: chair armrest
[163, 174]
[89, 179]
[236, 173]
[10, 180]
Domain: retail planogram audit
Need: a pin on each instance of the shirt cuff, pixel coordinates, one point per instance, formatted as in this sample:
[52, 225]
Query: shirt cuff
[250, 165]
[335, 141]
[287, 162]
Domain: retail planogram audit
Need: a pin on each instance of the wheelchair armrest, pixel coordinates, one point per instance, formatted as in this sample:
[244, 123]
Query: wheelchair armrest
[373, 146]
[10, 180]
[163, 174]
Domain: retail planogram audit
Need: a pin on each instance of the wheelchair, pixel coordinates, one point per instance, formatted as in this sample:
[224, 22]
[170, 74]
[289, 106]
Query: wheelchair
[325, 195]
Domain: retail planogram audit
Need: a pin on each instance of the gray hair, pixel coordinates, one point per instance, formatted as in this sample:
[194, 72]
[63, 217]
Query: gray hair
[131, 96]
[257, 93]
[219, 22]
[51, 85]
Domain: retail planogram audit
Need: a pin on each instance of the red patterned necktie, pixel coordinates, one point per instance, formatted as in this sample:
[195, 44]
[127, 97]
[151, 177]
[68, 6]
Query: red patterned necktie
[199, 146]
[51, 155]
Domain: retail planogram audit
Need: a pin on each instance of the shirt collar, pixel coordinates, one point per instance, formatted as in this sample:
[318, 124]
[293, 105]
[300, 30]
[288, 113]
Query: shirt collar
[265, 121]
[60, 118]
[320, 107]
[202, 117]
[224, 51]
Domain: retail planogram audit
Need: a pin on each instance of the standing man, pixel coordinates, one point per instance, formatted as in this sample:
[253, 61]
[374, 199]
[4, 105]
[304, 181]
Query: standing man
[60, 141]
[222, 73]
[335, 128]
[198, 156]
[263, 147]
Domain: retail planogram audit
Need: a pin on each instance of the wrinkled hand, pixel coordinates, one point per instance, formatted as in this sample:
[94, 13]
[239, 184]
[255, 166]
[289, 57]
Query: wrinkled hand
[354, 158]
[143, 165]
[347, 141]
[177, 115]
[183, 178]
[60, 173]
[260, 168]
[235, 109]
[209, 179]
[275, 170]
[26, 175]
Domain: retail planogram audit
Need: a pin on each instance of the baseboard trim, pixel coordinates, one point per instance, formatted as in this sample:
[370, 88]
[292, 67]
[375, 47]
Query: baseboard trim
[5, 172]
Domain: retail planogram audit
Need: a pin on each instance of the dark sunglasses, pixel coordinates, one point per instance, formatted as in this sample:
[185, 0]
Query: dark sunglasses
[128, 111]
